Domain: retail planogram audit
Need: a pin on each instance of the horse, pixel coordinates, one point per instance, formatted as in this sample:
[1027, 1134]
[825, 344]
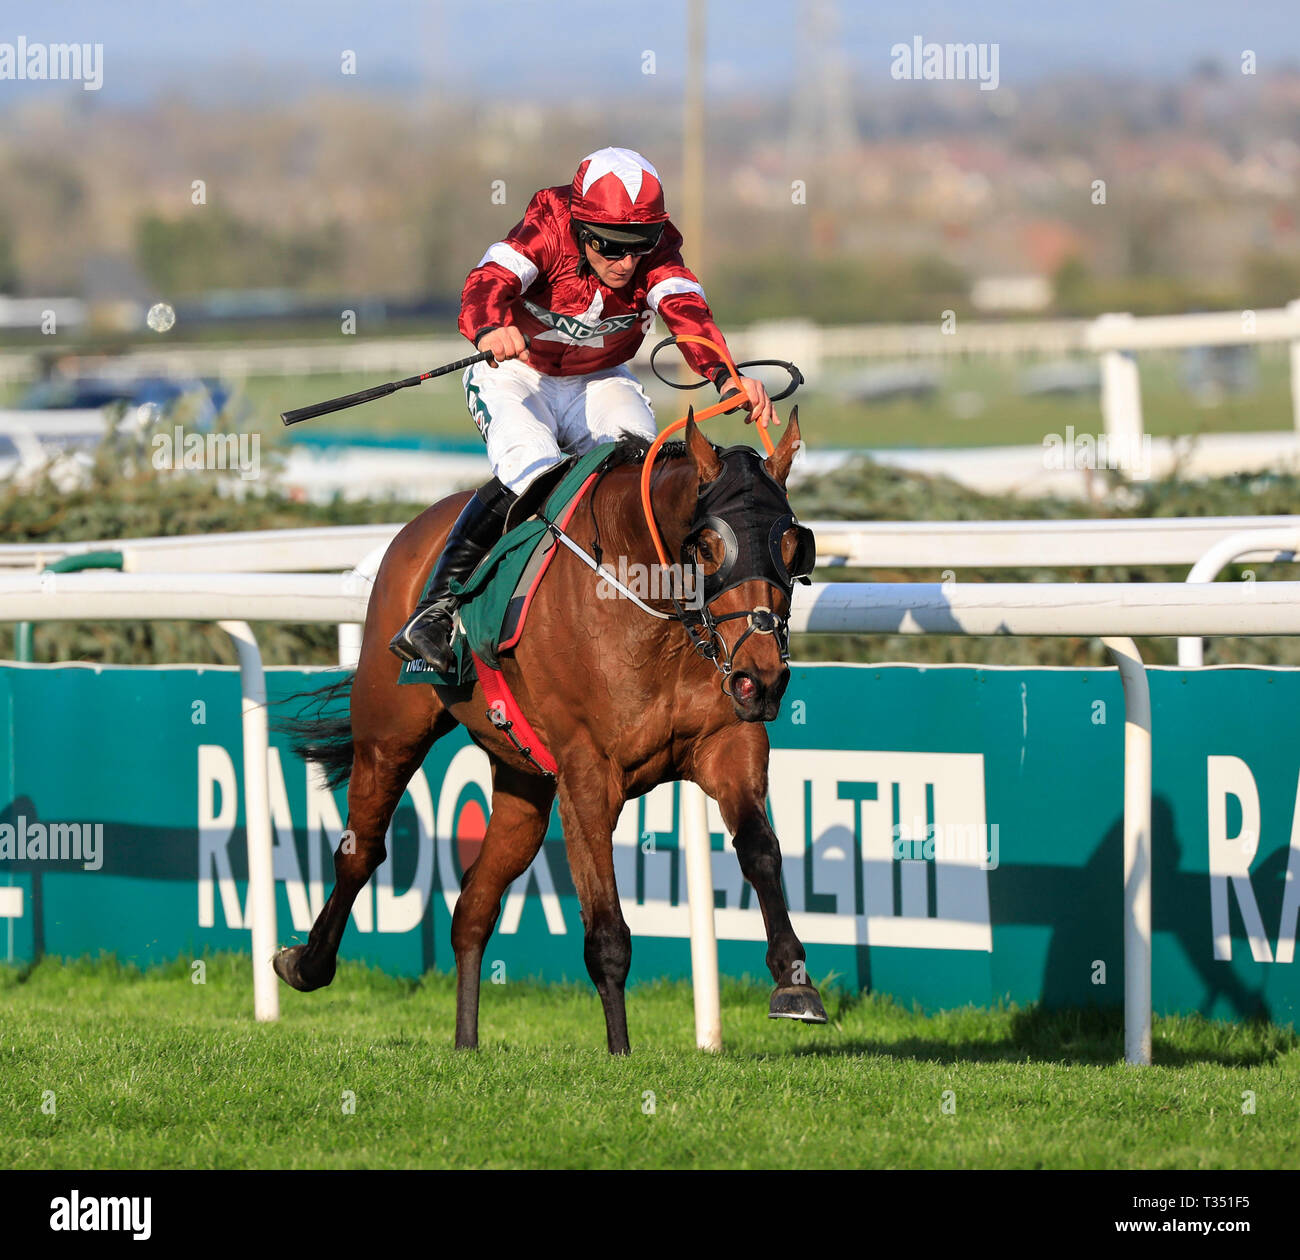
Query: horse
[624, 699]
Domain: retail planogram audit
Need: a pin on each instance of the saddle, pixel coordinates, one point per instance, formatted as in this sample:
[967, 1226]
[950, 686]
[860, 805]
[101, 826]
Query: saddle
[497, 597]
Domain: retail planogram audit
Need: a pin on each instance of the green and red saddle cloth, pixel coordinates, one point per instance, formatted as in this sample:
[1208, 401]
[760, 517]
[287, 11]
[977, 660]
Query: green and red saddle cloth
[498, 595]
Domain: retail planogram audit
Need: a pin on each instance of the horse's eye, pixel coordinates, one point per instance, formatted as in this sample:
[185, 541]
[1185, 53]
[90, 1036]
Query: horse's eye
[709, 550]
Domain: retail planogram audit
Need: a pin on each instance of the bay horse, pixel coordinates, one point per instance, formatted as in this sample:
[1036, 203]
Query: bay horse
[623, 699]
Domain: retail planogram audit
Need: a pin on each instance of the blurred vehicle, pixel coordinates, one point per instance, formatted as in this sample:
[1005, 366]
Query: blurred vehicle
[1061, 377]
[60, 421]
[1212, 373]
[887, 382]
[161, 394]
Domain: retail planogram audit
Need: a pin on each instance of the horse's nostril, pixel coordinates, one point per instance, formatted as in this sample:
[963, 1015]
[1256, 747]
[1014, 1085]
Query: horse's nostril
[744, 688]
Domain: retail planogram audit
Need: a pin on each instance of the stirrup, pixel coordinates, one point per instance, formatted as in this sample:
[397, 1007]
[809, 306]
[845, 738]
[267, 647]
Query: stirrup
[427, 636]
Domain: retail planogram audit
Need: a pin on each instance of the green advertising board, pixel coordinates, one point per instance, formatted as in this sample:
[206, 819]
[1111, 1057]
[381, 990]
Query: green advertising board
[950, 834]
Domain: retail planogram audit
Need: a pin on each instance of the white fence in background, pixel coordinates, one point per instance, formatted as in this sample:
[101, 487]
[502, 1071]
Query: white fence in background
[1114, 337]
[1115, 612]
[1028, 544]
[844, 544]
[1117, 337]
[322, 548]
[805, 343]
[808, 344]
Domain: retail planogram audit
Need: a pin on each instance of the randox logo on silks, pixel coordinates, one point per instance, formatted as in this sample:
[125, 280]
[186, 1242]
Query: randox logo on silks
[572, 326]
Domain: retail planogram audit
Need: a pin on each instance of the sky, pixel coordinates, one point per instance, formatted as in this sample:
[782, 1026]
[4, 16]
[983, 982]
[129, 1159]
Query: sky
[549, 49]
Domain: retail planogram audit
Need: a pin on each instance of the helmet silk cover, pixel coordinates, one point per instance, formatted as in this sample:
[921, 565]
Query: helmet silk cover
[613, 186]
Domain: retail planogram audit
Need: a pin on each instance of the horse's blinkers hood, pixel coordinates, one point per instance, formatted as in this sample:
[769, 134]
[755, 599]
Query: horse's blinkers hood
[749, 510]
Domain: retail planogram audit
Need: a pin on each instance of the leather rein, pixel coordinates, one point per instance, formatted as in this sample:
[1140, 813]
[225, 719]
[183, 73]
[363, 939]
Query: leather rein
[700, 622]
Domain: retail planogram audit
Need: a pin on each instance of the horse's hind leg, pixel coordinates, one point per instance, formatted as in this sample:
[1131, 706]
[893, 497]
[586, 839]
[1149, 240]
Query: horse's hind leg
[393, 727]
[521, 808]
[380, 772]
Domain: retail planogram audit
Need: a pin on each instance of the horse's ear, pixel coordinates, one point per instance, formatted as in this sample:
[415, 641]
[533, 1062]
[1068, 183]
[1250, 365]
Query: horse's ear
[700, 449]
[779, 461]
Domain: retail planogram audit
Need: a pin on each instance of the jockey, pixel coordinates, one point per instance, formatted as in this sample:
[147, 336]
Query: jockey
[582, 276]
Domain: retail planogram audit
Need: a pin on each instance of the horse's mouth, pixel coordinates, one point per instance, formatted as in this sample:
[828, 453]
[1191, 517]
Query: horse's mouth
[756, 702]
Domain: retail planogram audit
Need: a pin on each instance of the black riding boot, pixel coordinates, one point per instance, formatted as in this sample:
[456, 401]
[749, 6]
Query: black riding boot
[427, 635]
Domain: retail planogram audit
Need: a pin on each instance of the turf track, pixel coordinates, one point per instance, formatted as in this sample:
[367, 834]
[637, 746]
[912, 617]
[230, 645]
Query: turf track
[155, 1071]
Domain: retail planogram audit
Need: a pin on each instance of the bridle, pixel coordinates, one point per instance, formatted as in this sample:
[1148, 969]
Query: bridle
[751, 551]
[742, 561]
[743, 487]
[708, 642]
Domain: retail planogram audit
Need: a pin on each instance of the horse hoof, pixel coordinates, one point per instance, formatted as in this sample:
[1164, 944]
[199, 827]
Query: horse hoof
[797, 1001]
[288, 966]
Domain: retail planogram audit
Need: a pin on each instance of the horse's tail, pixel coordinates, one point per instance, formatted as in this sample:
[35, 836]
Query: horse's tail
[320, 736]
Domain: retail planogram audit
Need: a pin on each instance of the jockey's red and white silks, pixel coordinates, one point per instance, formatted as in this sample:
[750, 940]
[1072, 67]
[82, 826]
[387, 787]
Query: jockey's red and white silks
[575, 323]
[530, 421]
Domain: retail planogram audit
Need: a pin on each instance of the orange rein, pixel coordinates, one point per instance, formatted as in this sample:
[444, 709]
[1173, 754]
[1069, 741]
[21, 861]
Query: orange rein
[717, 409]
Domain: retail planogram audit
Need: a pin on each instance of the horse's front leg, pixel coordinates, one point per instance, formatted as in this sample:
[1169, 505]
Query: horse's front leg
[732, 768]
[589, 806]
[521, 808]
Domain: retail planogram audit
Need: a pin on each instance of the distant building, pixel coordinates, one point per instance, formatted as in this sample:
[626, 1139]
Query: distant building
[1011, 293]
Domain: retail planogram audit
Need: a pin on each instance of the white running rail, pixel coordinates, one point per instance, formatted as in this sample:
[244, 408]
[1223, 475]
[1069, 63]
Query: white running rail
[848, 544]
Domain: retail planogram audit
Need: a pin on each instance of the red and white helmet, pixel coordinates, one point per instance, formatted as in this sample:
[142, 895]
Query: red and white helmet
[617, 186]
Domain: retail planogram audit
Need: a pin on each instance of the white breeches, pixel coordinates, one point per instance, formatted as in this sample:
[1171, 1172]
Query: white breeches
[530, 421]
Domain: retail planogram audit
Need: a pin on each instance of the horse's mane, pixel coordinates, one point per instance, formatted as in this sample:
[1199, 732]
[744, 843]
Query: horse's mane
[631, 448]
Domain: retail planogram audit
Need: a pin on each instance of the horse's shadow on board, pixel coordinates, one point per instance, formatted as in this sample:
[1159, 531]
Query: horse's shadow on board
[1083, 909]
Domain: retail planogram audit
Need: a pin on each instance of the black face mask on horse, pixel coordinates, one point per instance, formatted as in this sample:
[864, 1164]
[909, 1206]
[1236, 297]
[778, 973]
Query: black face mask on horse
[743, 530]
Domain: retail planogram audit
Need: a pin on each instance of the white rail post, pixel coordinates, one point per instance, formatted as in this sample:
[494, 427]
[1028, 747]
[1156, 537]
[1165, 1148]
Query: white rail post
[257, 819]
[694, 815]
[358, 581]
[1137, 850]
[1121, 388]
[1272, 545]
[349, 644]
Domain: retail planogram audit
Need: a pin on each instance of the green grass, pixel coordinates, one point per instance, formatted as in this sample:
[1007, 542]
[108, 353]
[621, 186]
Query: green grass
[977, 404]
[153, 1071]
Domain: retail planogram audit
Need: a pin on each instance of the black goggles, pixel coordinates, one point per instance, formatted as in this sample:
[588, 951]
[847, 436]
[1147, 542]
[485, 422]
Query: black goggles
[805, 552]
[614, 250]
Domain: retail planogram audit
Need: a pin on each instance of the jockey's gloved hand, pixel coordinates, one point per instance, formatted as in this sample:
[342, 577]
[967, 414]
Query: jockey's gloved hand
[726, 388]
[504, 343]
[754, 399]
